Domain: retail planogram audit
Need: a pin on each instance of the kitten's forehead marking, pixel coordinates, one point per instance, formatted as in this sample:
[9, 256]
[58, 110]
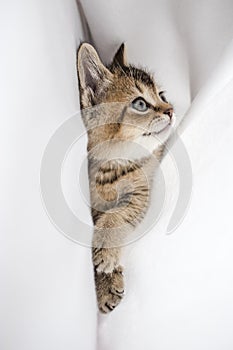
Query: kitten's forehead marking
[147, 93]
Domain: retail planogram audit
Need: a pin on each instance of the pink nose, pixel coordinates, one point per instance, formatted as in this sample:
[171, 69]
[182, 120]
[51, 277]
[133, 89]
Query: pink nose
[169, 112]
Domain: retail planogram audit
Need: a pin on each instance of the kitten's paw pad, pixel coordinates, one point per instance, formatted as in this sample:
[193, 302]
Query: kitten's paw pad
[109, 289]
[105, 260]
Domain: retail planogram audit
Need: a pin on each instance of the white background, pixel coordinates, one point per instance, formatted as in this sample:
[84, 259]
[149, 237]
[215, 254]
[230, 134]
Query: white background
[178, 288]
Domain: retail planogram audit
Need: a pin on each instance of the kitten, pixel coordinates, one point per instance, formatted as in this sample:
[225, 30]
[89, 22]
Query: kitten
[128, 121]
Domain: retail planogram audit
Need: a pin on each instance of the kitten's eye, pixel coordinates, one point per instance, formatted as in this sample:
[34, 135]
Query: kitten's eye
[162, 96]
[140, 105]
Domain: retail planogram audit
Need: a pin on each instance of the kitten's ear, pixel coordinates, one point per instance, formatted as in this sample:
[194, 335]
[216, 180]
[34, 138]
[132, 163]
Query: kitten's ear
[120, 57]
[91, 71]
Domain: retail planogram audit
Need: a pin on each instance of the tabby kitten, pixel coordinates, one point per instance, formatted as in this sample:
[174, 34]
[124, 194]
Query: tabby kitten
[128, 121]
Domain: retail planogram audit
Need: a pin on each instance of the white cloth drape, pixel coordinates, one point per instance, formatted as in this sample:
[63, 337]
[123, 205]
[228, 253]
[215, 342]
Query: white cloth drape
[47, 291]
[179, 287]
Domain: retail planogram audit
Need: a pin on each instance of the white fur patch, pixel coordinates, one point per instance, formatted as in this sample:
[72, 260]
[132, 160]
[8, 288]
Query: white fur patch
[141, 147]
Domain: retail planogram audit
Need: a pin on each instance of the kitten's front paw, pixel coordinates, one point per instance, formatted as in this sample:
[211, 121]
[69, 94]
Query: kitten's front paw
[105, 259]
[109, 289]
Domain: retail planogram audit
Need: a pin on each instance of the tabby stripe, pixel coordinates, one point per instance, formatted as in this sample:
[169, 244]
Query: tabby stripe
[103, 180]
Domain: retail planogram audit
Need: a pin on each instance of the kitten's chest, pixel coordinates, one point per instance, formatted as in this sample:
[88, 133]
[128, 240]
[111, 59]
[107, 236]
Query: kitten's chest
[116, 185]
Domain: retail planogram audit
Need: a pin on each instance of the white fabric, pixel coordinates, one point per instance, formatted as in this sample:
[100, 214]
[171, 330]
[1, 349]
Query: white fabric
[47, 290]
[178, 288]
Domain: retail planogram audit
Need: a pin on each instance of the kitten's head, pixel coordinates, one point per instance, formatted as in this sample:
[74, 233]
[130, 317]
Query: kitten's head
[122, 104]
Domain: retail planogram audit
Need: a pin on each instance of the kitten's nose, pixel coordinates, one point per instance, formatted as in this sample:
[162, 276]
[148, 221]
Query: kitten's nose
[169, 112]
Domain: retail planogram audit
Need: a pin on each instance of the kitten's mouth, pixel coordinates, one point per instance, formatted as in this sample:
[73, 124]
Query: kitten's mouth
[157, 131]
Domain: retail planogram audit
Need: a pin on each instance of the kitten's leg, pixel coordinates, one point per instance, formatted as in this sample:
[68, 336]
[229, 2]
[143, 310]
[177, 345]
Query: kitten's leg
[109, 280]
[108, 274]
[109, 289]
[105, 259]
[107, 240]
[110, 231]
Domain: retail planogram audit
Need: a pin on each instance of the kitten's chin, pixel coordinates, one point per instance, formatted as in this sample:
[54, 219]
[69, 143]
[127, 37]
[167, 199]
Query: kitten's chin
[151, 141]
[157, 137]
